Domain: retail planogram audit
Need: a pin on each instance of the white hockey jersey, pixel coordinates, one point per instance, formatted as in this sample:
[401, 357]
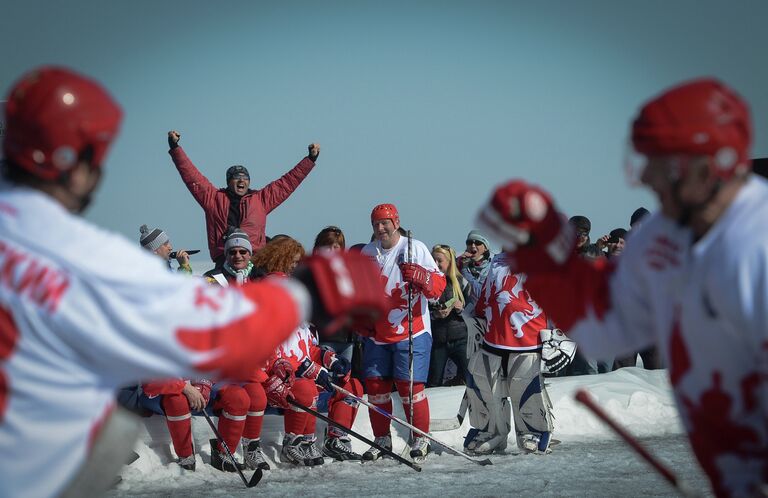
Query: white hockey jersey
[82, 312]
[705, 306]
[395, 327]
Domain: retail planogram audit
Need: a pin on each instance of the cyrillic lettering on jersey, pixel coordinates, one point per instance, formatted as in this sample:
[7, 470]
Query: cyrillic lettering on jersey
[43, 285]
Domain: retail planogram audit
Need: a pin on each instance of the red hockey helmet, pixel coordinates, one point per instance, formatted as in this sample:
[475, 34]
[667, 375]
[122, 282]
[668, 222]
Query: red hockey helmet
[698, 118]
[52, 115]
[386, 211]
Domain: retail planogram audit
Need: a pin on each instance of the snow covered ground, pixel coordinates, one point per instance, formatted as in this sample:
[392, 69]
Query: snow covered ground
[589, 461]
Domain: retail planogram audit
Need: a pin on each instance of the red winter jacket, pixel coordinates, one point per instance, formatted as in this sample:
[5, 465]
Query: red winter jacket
[254, 206]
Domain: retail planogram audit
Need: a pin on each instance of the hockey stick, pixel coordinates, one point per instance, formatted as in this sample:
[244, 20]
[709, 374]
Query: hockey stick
[257, 474]
[411, 427]
[410, 335]
[354, 434]
[584, 398]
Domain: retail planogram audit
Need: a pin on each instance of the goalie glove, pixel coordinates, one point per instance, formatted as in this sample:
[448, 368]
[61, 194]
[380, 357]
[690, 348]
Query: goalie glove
[557, 350]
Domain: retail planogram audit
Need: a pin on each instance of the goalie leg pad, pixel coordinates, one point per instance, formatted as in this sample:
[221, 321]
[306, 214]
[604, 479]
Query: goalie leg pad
[488, 410]
[530, 402]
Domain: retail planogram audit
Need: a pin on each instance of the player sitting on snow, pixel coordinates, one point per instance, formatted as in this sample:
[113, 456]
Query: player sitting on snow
[314, 367]
[178, 399]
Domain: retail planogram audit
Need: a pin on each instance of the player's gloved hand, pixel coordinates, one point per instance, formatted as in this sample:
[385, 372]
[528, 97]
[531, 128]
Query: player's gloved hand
[337, 365]
[173, 139]
[417, 276]
[278, 385]
[557, 350]
[311, 370]
[345, 288]
[524, 218]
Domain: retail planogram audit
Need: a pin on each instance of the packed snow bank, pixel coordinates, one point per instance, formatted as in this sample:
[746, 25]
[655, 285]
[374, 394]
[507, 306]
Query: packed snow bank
[588, 458]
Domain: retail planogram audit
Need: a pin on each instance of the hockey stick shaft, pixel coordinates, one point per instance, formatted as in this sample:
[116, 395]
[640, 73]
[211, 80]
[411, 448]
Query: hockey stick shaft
[257, 474]
[354, 434]
[410, 333]
[584, 398]
[385, 413]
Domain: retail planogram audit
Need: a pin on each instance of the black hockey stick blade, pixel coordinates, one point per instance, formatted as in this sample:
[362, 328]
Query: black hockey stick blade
[255, 478]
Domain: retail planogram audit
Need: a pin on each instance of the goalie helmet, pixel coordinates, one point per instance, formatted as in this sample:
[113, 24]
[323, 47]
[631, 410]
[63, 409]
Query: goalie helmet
[698, 118]
[53, 115]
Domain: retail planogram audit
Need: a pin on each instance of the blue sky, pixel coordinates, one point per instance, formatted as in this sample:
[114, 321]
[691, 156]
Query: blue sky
[424, 104]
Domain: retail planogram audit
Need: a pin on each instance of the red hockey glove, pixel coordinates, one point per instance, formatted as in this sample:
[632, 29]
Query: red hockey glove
[524, 218]
[278, 385]
[344, 287]
[417, 276]
[311, 370]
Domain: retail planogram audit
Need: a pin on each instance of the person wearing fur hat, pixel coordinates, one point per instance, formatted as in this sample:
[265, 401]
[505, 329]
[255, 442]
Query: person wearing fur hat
[157, 242]
[237, 205]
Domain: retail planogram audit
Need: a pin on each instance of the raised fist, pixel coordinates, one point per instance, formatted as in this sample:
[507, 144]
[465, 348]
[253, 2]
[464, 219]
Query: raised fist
[314, 151]
[345, 289]
[524, 218]
[173, 139]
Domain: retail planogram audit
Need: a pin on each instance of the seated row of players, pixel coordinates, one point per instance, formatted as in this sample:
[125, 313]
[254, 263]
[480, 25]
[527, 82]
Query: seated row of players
[298, 369]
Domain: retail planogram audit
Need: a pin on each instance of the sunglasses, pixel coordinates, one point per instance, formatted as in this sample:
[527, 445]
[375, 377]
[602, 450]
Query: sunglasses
[474, 243]
[241, 252]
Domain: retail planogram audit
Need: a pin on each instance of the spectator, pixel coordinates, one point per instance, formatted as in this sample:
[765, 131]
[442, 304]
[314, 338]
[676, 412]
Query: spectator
[583, 246]
[281, 255]
[614, 245]
[449, 331]
[237, 205]
[157, 242]
[474, 263]
[237, 267]
[331, 238]
[637, 217]
[580, 365]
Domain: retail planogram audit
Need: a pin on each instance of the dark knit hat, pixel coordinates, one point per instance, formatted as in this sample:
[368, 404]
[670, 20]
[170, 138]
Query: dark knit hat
[616, 234]
[238, 238]
[638, 215]
[152, 239]
[581, 223]
[237, 171]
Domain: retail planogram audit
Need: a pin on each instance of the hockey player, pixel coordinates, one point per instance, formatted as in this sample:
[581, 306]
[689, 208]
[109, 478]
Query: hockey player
[506, 370]
[693, 280]
[74, 326]
[386, 350]
[315, 368]
[178, 399]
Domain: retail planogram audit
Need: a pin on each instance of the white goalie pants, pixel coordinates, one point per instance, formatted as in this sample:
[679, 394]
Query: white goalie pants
[500, 384]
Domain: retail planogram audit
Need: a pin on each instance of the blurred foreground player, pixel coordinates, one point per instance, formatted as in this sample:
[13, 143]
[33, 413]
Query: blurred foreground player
[74, 326]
